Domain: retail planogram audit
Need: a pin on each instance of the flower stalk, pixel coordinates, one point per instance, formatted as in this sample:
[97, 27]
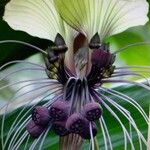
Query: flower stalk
[148, 148]
[71, 142]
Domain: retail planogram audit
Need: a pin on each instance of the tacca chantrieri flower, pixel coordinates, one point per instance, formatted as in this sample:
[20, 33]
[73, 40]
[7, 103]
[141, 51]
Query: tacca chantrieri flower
[77, 64]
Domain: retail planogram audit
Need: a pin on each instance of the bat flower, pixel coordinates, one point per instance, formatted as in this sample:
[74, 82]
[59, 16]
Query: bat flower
[73, 99]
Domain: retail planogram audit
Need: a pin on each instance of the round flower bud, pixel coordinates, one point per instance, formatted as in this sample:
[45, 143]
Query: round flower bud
[76, 123]
[40, 115]
[86, 132]
[34, 130]
[59, 110]
[92, 111]
[100, 58]
[60, 128]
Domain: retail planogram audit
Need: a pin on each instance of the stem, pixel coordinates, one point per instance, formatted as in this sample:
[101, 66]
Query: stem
[149, 133]
[96, 144]
[70, 142]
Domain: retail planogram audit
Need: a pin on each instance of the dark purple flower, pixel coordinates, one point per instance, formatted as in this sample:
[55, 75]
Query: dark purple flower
[92, 111]
[34, 130]
[60, 128]
[40, 115]
[59, 110]
[76, 123]
[74, 94]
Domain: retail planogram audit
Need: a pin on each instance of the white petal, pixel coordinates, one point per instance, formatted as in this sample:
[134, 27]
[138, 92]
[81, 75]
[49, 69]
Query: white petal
[36, 17]
[107, 17]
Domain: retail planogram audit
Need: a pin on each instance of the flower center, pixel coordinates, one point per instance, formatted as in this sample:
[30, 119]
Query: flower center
[77, 109]
[92, 61]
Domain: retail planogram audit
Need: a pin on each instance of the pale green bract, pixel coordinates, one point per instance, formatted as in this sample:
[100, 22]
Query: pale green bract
[107, 17]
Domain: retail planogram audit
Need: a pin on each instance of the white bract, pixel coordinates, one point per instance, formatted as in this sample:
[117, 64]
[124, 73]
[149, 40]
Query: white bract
[107, 17]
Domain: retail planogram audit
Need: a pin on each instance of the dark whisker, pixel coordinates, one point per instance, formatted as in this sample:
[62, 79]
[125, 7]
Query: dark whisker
[115, 75]
[96, 95]
[132, 71]
[131, 45]
[44, 137]
[24, 43]
[107, 132]
[34, 81]
[15, 97]
[29, 92]
[132, 67]
[126, 81]
[21, 139]
[92, 138]
[104, 134]
[24, 69]
[26, 144]
[18, 129]
[126, 98]
[127, 115]
[21, 61]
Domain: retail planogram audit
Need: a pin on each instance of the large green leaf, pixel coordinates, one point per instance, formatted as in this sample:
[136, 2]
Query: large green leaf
[141, 95]
[135, 55]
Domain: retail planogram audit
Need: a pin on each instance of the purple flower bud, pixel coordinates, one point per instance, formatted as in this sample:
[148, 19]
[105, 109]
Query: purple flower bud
[34, 130]
[86, 132]
[92, 111]
[40, 115]
[60, 128]
[59, 110]
[76, 123]
[100, 58]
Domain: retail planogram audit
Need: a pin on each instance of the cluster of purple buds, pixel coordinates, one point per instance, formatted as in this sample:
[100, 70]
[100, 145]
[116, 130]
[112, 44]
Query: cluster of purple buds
[39, 122]
[63, 122]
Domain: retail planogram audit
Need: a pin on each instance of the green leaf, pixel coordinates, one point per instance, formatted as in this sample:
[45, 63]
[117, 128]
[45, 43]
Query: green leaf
[137, 55]
[51, 141]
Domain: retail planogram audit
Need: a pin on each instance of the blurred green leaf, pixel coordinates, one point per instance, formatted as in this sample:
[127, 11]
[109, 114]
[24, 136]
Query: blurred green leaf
[137, 55]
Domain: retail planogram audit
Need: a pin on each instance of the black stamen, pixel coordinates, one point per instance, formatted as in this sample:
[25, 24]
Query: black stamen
[95, 42]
